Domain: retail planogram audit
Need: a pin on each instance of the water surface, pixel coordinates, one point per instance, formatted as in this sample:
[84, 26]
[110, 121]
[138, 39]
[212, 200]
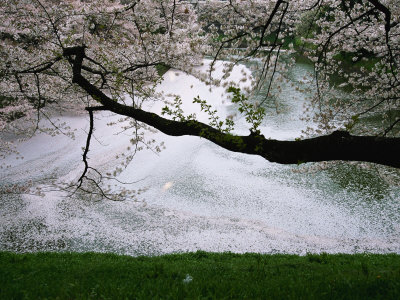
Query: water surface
[200, 196]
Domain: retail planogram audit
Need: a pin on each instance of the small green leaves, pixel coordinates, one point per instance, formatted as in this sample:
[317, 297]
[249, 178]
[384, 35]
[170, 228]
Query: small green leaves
[176, 111]
[177, 114]
[354, 120]
[254, 114]
[214, 119]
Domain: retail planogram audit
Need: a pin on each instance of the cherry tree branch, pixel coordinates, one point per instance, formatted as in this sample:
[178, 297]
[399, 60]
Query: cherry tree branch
[339, 145]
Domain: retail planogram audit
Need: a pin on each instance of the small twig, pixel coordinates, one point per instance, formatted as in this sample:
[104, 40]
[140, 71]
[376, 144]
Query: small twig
[387, 130]
[84, 156]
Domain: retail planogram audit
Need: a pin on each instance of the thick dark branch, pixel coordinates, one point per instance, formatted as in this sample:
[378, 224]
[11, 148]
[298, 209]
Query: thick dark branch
[269, 21]
[386, 11]
[336, 146]
[339, 145]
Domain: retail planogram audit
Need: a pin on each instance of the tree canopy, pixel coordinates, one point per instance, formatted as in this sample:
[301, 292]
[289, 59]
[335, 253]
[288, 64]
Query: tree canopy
[107, 55]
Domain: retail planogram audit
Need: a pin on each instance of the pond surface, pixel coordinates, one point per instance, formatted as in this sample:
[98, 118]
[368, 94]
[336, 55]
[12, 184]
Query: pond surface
[199, 196]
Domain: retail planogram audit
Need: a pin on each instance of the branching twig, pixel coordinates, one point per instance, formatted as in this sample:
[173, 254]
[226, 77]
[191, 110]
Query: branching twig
[84, 156]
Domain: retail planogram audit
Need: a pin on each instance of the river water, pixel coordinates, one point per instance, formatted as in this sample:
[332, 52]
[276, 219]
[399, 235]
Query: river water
[198, 196]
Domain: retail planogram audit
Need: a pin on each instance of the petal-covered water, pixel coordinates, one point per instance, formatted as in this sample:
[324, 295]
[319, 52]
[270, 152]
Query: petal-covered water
[198, 195]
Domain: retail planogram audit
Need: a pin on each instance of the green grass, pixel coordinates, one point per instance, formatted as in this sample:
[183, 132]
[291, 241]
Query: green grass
[214, 276]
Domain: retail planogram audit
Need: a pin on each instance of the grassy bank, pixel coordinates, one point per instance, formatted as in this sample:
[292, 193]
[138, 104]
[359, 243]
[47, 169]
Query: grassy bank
[198, 275]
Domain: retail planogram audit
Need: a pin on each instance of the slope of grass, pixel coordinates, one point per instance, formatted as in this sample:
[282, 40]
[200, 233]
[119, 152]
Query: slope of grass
[199, 275]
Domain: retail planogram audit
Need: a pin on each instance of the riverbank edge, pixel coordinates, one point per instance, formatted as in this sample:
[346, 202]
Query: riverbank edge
[199, 275]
